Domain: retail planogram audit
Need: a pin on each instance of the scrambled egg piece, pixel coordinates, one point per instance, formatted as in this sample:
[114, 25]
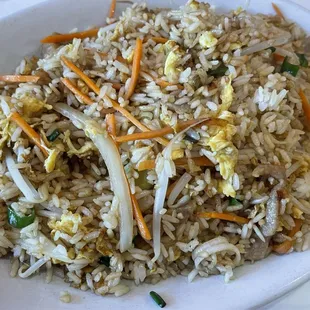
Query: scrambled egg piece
[227, 93]
[166, 115]
[238, 10]
[226, 152]
[69, 223]
[4, 134]
[225, 187]
[220, 140]
[207, 40]
[177, 153]
[32, 104]
[86, 150]
[117, 33]
[6, 130]
[87, 253]
[193, 4]
[297, 214]
[235, 46]
[103, 244]
[50, 161]
[172, 69]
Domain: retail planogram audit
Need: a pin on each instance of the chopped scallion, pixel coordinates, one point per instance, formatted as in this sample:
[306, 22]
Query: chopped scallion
[273, 49]
[19, 221]
[105, 260]
[158, 299]
[288, 67]
[54, 135]
[302, 60]
[142, 181]
[219, 71]
[234, 202]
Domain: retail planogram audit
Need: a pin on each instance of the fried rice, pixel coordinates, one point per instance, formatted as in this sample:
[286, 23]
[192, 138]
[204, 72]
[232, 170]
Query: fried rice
[188, 156]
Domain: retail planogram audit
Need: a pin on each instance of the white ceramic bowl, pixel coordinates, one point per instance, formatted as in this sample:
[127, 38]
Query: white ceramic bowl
[254, 285]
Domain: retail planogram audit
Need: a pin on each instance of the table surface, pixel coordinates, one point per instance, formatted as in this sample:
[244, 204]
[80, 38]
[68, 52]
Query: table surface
[297, 299]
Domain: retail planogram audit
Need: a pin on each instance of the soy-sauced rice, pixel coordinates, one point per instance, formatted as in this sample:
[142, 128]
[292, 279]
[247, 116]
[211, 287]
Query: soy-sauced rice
[259, 154]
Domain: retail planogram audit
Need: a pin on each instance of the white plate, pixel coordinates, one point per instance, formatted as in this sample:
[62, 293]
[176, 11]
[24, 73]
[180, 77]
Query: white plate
[254, 285]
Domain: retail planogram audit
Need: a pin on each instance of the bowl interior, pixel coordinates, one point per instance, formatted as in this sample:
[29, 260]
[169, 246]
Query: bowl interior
[262, 282]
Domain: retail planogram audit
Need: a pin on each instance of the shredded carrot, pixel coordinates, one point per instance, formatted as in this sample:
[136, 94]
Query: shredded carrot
[278, 57]
[224, 216]
[111, 125]
[135, 68]
[167, 130]
[76, 91]
[157, 39]
[144, 231]
[115, 105]
[146, 165]
[59, 38]
[285, 246]
[145, 135]
[165, 84]
[29, 131]
[132, 119]
[199, 161]
[112, 8]
[278, 11]
[19, 78]
[82, 75]
[305, 104]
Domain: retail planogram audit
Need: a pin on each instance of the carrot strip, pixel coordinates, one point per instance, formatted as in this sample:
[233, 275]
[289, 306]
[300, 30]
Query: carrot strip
[59, 38]
[144, 231]
[111, 125]
[285, 246]
[82, 75]
[132, 119]
[145, 135]
[167, 130]
[278, 11]
[29, 131]
[278, 57]
[157, 39]
[19, 78]
[115, 105]
[146, 165]
[224, 216]
[305, 104]
[135, 68]
[76, 91]
[165, 84]
[199, 161]
[112, 8]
